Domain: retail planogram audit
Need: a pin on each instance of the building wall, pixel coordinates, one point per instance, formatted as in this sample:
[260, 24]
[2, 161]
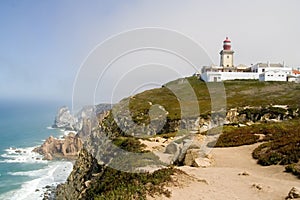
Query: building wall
[223, 76]
[227, 60]
[260, 70]
[273, 76]
[294, 79]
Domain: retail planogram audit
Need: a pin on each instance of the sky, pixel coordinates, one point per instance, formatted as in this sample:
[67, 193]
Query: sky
[43, 44]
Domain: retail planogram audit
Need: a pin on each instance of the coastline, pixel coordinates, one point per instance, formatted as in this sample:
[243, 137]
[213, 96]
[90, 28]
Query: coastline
[41, 182]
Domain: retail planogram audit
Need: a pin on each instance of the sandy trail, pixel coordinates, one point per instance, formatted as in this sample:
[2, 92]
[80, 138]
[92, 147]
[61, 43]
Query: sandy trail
[224, 182]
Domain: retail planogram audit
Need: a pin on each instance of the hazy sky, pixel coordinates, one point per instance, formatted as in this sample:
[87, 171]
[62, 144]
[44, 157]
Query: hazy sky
[43, 43]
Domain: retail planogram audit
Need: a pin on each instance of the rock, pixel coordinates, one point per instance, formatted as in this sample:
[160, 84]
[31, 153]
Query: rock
[172, 148]
[52, 148]
[37, 190]
[87, 183]
[64, 119]
[196, 158]
[186, 145]
[257, 186]
[48, 156]
[190, 156]
[47, 186]
[244, 173]
[201, 162]
[79, 179]
[294, 193]
[18, 151]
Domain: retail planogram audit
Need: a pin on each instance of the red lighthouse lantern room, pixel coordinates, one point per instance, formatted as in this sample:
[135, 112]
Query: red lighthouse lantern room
[227, 44]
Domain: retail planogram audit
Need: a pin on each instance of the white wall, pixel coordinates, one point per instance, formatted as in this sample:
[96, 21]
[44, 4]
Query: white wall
[273, 76]
[294, 79]
[223, 76]
[227, 62]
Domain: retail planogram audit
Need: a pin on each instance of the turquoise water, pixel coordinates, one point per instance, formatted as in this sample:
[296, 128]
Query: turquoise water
[23, 126]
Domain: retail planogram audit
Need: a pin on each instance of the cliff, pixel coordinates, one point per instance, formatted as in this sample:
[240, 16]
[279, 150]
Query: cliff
[85, 169]
[64, 119]
[158, 111]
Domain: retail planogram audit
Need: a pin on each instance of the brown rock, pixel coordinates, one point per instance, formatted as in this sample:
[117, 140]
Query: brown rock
[294, 193]
[48, 156]
[68, 147]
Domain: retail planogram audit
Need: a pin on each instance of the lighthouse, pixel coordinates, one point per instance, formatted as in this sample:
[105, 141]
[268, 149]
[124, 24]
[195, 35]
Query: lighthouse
[226, 60]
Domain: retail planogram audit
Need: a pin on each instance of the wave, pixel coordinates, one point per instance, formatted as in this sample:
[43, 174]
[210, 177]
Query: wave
[50, 127]
[52, 175]
[21, 155]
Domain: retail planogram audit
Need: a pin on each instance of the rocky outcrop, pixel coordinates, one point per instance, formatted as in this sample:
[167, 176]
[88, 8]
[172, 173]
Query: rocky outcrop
[196, 158]
[64, 119]
[53, 148]
[87, 115]
[84, 171]
[294, 193]
[187, 152]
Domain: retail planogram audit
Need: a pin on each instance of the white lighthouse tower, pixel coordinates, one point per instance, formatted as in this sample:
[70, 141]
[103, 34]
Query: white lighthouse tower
[226, 60]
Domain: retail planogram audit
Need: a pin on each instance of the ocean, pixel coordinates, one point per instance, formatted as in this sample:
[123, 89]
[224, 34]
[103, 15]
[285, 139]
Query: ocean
[23, 126]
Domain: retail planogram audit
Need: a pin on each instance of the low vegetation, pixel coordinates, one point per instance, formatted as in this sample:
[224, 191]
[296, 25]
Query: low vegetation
[294, 169]
[282, 146]
[235, 136]
[239, 93]
[130, 144]
[115, 184]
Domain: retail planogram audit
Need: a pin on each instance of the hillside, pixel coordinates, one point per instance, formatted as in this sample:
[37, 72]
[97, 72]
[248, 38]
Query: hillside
[238, 94]
[250, 114]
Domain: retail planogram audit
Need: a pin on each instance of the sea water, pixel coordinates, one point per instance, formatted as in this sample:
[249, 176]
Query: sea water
[23, 173]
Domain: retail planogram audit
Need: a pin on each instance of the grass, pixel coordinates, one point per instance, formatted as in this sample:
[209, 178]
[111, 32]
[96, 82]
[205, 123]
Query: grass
[238, 94]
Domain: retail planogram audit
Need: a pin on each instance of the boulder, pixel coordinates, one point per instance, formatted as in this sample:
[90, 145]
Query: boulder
[48, 156]
[186, 145]
[196, 158]
[294, 193]
[201, 162]
[172, 148]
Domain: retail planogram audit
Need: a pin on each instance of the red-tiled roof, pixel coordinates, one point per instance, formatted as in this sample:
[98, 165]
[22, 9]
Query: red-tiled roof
[296, 72]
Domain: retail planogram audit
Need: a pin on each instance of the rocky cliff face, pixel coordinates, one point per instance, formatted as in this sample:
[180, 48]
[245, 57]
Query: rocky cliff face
[98, 148]
[54, 148]
[84, 171]
[64, 119]
[84, 122]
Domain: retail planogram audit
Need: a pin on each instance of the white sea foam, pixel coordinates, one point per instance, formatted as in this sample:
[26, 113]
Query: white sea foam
[52, 175]
[21, 155]
[50, 127]
[34, 173]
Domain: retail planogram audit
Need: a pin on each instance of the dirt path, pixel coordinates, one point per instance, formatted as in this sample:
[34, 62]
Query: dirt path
[224, 179]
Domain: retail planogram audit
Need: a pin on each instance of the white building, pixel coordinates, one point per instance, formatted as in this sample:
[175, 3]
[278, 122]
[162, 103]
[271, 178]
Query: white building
[294, 77]
[260, 71]
[273, 75]
[224, 76]
[226, 70]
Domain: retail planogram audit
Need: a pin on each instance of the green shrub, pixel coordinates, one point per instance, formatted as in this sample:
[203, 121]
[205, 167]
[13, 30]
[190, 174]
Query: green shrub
[294, 169]
[233, 136]
[114, 184]
[282, 146]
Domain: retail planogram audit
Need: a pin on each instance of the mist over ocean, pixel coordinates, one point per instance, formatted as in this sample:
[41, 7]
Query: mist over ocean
[23, 126]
